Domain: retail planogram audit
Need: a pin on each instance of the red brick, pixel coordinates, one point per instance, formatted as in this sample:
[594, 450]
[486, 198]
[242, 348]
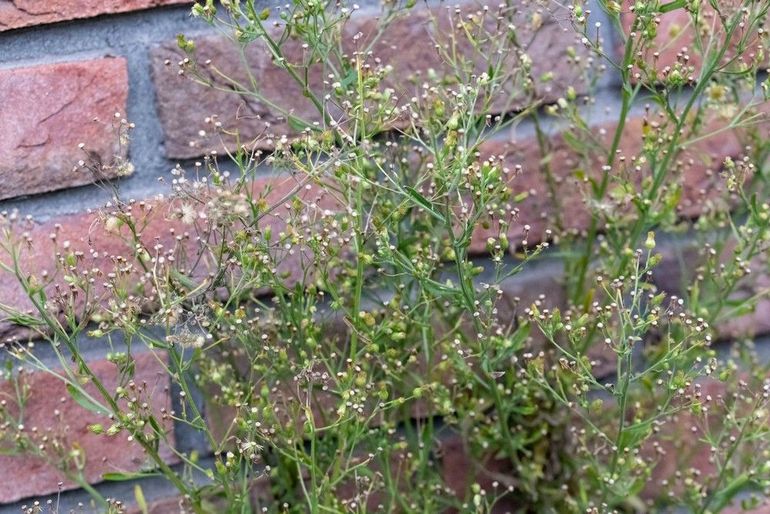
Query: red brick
[75, 233]
[700, 183]
[99, 245]
[756, 284]
[460, 470]
[407, 45]
[47, 111]
[675, 39]
[15, 14]
[683, 452]
[544, 286]
[696, 170]
[55, 414]
[678, 268]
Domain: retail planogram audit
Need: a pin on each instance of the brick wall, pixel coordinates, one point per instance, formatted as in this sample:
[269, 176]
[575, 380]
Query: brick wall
[71, 70]
[66, 69]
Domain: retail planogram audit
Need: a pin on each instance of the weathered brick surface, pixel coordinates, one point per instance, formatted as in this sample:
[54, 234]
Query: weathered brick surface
[679, 267]
[50, 412]
[698, 168]
[47, 111]
[86, 235]
[683, 455]
[24, 13]
[460, 470]
[558, 203]
[674, 32]
[99, 244]
[679, 446]
[675, 49]
[405, 44]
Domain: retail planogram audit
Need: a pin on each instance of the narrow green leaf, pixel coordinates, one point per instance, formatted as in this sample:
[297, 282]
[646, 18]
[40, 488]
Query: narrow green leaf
[633, 435]
[676, 4]
[724, 497]
[183, 279]
[84, 401]
[116, 476]
[155, 426]
[140, 501]
[351, 77]
[424, 203]
[298, 124]
[521, 335]
[521, 196]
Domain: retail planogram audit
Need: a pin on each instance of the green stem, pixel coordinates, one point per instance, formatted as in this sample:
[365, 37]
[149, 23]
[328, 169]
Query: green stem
[628, 95]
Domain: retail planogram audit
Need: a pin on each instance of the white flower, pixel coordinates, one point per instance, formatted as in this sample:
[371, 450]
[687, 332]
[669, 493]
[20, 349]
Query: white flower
[187, 214]
[113, 224]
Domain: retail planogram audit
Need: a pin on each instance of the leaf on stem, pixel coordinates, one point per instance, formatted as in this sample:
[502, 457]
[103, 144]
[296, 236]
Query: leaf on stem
[424, 203]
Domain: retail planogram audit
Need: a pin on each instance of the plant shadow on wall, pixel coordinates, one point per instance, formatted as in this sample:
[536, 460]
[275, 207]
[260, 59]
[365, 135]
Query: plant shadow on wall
[362, 325]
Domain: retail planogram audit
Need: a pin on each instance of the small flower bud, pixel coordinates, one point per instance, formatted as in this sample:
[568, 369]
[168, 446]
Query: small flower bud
[650, 242]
